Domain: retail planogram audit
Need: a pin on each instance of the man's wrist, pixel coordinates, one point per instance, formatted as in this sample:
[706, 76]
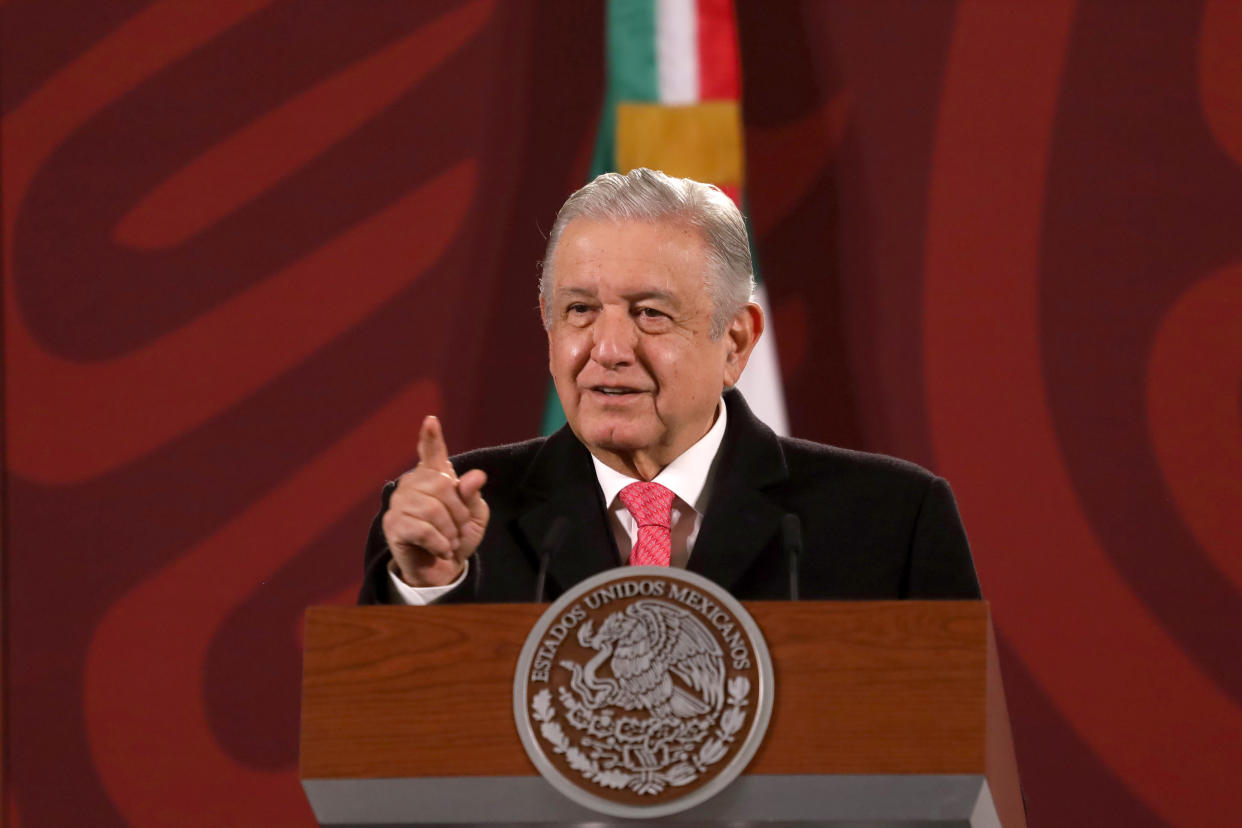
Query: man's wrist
[401, 592]
[435, 571]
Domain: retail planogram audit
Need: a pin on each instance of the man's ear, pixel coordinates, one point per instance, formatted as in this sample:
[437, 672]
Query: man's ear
[741, 335]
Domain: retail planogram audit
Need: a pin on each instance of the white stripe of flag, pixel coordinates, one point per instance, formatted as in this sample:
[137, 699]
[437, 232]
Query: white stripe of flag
[677, 51]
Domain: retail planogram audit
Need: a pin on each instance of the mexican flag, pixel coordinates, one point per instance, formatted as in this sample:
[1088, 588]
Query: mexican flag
[672, 102]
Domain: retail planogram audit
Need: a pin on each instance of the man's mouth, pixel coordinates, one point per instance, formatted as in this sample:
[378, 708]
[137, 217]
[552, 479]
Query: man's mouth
[614, 391]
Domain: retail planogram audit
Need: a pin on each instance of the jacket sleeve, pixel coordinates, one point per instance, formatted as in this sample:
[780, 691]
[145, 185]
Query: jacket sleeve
[375, 563]
[940, 564]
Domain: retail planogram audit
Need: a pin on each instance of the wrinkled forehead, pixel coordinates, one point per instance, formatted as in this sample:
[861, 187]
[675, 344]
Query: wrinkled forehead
[668, 254]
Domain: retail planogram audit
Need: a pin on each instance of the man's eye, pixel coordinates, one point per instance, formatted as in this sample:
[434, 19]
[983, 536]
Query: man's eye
[652, 313]
[579, 313]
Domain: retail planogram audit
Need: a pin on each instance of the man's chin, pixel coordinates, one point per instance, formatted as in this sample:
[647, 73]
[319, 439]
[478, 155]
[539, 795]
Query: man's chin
[616, 438]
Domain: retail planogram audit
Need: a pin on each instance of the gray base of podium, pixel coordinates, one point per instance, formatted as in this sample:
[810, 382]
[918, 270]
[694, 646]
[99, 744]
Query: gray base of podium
[896, 801]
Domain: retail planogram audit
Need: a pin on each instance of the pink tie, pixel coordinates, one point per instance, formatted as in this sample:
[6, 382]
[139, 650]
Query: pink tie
[652, 507]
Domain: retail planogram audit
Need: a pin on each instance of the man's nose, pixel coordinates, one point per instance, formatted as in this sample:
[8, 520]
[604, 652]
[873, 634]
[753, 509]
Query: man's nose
[615, 339]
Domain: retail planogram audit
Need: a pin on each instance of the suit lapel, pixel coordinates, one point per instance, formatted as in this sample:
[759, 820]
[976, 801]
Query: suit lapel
[741, 518]
[561, 482]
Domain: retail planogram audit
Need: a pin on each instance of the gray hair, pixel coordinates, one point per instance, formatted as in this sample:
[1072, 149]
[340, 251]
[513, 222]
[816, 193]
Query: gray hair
[650, 195]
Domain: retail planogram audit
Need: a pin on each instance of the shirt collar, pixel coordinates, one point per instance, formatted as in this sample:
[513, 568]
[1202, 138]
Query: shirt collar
[686, 476]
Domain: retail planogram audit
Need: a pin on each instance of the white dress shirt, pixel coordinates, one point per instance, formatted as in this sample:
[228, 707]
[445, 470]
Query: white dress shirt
[688, 477]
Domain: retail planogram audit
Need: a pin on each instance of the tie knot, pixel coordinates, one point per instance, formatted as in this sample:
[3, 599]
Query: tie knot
[650, 503]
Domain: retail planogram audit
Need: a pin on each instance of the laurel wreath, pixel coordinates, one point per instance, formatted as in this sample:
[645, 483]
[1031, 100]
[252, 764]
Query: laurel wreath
[543, 710]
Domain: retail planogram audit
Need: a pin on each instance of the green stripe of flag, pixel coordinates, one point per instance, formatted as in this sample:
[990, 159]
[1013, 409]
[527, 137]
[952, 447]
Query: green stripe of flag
[630, 72]
[632, 61]
[553, 414]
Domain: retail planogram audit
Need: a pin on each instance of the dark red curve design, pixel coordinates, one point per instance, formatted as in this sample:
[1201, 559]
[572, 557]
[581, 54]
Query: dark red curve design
[1129, 690]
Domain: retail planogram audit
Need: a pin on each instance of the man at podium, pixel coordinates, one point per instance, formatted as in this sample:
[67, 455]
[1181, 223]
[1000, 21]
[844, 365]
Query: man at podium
[646, 297]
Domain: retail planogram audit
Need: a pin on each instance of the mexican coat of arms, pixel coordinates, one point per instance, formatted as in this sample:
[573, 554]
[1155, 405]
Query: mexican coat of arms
[643, 691]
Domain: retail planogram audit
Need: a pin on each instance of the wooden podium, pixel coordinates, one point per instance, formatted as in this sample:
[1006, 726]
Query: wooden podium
[886, 714]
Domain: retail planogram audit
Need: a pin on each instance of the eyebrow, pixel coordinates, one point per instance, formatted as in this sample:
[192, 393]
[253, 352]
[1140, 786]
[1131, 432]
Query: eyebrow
[574, 291]
[637, 296]
[652, 294]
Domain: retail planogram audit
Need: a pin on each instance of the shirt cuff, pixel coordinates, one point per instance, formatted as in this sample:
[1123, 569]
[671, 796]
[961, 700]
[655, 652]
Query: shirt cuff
[399, 592]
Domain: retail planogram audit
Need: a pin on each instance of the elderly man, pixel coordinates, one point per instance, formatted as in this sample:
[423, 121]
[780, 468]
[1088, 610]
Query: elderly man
[645, 296]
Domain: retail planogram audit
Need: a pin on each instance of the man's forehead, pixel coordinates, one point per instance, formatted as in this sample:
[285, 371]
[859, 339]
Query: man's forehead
[638, 255]
[637, 237]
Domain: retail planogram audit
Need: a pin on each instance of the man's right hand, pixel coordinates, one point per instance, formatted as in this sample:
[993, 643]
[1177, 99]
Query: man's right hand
[435, 520]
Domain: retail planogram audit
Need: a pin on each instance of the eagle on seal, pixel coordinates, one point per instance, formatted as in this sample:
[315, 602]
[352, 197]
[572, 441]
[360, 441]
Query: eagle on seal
[646, 645]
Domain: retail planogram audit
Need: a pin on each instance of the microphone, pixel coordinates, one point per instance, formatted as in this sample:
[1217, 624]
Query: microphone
[552, 541]
[791, 542]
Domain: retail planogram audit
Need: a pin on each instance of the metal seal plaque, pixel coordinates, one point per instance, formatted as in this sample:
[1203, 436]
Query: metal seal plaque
[643, 691]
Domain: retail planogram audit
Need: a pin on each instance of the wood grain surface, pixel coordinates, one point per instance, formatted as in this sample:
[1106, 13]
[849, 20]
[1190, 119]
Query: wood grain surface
[861, 687]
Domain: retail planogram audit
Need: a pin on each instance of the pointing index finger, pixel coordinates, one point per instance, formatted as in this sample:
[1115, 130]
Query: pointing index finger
[432, 451]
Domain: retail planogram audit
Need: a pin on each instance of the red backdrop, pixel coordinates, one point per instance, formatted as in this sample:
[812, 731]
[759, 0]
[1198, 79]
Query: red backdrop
[248, 244]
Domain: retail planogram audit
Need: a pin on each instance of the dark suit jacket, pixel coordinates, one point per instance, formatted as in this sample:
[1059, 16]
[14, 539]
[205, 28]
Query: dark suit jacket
[873, 527]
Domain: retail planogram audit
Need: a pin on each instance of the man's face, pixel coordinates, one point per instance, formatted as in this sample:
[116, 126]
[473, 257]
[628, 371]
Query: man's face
[629, 343]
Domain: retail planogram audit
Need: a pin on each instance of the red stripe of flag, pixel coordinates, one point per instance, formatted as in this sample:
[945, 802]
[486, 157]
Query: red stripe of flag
[718, 58]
